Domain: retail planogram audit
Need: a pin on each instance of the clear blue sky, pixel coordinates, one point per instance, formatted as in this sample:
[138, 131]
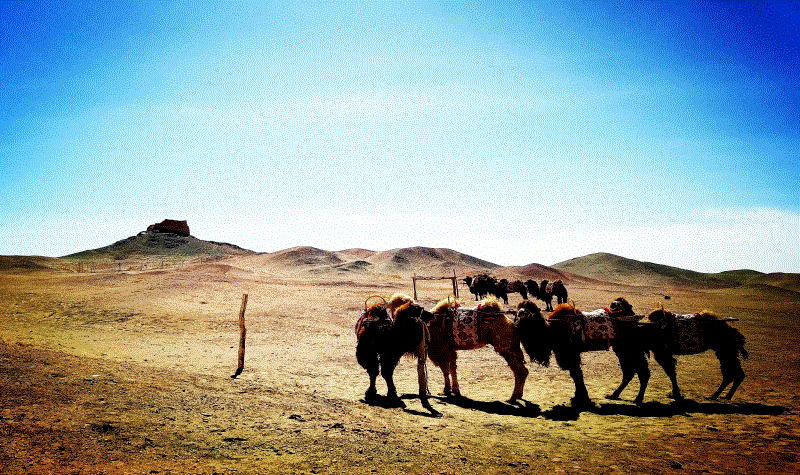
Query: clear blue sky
[514, 132]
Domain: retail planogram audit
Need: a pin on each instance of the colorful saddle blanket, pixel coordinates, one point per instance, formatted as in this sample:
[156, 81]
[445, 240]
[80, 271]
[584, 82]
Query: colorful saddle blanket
[595, 325]
[687, 336]
[466, 327]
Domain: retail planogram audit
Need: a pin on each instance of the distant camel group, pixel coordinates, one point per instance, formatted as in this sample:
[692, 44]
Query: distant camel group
[387, 330]
[483, 285]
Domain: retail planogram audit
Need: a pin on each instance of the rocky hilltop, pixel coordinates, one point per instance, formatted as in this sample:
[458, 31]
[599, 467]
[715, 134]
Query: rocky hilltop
[169, 238]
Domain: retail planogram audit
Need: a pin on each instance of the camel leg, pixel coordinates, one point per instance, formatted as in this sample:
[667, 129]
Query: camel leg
[581, 394]
[369, 360]
[372, 391]
[628, 371]
[737, 373]
[722, 386]
[454, 378]
[446, 375]
[643, 371]
[387, 371]
[516, 362]
[732, 372]
[668, 362]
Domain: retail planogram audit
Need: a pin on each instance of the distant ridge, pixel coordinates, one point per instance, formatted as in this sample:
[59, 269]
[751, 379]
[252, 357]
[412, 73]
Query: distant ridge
[427, 259]
[612, 268]
[301, 256]
[28, 263]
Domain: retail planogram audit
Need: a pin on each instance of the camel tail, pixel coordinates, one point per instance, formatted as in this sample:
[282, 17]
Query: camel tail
[533, 334]
[738, 339]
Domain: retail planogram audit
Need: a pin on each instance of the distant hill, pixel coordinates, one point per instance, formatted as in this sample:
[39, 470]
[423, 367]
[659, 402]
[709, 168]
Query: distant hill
[28, 263]
[149, 243]
[778, 279]
[617, 269]
[405, 261]
[539, 272]
[427, 260]
[741, 276]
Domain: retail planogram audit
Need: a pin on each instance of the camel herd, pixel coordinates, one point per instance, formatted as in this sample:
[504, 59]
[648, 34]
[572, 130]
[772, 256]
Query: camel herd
[483, 285]
[389, 329]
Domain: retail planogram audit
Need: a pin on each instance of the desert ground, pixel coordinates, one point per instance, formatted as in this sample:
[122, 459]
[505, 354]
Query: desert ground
[125, 367]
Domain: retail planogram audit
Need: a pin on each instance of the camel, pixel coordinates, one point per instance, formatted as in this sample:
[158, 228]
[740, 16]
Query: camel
[384, 336]
[480, 285]
[483, 285]
[467, 329]
[668, 334]
[548, 289]
[499, 288]
[518, 287]
[569, 332]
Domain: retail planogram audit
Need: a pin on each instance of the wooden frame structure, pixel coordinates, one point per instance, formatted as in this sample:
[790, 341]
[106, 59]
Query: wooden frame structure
[454, 279]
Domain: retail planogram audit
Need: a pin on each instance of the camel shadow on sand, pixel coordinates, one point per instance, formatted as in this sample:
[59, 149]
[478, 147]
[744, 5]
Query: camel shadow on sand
[378, 400]
[683, 407]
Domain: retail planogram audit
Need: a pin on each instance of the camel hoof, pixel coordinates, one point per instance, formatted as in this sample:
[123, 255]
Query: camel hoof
[395, 401]
[582, 402]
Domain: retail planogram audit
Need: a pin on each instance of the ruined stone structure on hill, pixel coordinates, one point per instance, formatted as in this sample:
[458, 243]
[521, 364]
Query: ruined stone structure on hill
[180, 228]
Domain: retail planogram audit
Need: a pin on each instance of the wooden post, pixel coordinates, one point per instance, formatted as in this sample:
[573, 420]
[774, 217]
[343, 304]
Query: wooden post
[414, 280]
[242, 335]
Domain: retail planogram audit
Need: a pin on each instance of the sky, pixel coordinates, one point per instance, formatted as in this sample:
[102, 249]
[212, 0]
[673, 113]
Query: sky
[515, 132]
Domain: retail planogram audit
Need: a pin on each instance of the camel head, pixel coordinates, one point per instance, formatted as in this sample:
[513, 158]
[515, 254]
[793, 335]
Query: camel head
[622, 306]
[531, 307]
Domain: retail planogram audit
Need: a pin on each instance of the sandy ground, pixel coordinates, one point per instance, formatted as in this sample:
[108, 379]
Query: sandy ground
[129, 372]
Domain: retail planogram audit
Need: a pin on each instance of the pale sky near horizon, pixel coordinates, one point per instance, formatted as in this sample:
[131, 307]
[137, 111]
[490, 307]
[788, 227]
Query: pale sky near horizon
[516, 132]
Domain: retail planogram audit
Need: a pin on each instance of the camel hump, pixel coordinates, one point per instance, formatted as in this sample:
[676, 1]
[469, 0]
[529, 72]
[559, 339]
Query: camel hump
[563, 311]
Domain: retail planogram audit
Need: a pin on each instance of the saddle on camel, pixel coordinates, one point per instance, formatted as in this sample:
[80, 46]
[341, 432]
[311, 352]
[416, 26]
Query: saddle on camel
[456, 328]
[570, 331]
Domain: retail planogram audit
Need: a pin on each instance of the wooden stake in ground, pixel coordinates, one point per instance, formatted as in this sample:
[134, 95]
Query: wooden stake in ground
[242, 335]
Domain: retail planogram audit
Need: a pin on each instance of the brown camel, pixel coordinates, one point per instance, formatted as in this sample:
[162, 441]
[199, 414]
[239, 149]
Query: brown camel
[668, 334]
[384, 336]
[456, 329]
[569, 332]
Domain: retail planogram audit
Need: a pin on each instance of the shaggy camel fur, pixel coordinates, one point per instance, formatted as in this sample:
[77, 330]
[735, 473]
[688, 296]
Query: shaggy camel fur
[548, 289]
[492, 328]
[669, 334]
[383, 338]
[559, 334]
[480, 285]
